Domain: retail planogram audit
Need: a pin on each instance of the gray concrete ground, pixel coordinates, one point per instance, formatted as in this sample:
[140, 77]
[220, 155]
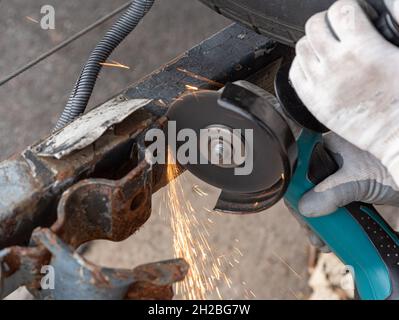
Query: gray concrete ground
[274, 247]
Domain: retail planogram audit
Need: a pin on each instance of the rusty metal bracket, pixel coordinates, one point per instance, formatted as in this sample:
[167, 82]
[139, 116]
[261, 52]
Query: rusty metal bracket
[105, 209]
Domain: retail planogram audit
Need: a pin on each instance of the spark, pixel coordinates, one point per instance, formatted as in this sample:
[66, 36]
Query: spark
[248, 294]
[190, 241]
[287, 265]
[187, 240]
[198, 191]
[206, 275]
[238, 251]
[31, 19]
[294, 294]
[162, 103]
[228, 281]
[191, 88]
[114, 64]
[208, 210]
[218, 292]
[198, 77]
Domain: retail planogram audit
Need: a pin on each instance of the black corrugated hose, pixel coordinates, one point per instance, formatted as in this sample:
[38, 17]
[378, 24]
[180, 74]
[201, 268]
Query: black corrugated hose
[84, 86]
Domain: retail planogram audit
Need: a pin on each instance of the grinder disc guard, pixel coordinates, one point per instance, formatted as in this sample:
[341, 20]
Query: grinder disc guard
[272, 146]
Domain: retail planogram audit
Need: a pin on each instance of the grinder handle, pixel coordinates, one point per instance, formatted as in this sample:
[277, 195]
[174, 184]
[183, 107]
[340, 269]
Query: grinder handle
[357, 234]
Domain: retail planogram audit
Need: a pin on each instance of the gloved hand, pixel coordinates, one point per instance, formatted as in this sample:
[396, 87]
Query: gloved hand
[361, 177]
[347, 75]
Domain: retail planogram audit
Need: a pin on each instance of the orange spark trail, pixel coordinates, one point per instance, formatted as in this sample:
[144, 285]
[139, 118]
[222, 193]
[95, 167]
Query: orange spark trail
[114, 64]
[192, 88]
[198, 77]
[190, 241]
[31, 19]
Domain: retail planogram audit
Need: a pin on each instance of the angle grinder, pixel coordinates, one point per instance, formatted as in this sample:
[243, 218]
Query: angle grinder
[288, 159]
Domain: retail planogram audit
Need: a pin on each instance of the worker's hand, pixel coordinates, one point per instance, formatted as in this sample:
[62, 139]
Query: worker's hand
[347, 75]
[361, 177]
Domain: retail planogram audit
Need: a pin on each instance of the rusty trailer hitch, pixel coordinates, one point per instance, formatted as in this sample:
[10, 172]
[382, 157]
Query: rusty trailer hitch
[92, 181]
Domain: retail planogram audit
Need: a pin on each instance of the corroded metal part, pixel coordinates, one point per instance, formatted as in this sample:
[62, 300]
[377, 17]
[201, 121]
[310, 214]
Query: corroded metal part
[23, 186]
[21, 267]
[105, 209]
[154, 280]
[31, 186]
[76, 278]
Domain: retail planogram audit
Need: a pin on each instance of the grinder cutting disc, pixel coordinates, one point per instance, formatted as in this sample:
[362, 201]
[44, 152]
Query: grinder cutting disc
[270, 155]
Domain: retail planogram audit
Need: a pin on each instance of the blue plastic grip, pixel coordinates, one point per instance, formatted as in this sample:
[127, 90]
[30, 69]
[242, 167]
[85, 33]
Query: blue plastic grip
[342, 232]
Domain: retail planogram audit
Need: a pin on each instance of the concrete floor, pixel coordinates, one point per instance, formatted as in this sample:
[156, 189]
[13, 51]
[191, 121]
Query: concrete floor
[274, 247]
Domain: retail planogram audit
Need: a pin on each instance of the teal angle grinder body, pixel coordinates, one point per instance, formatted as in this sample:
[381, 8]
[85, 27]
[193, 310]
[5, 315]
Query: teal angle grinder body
[288, 161]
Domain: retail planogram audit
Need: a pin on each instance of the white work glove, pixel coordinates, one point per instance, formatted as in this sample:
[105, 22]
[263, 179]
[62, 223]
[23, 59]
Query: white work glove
[361, 177]
[351, 84]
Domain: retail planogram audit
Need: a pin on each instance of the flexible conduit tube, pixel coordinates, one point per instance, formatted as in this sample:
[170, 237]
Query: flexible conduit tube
[84, 86]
